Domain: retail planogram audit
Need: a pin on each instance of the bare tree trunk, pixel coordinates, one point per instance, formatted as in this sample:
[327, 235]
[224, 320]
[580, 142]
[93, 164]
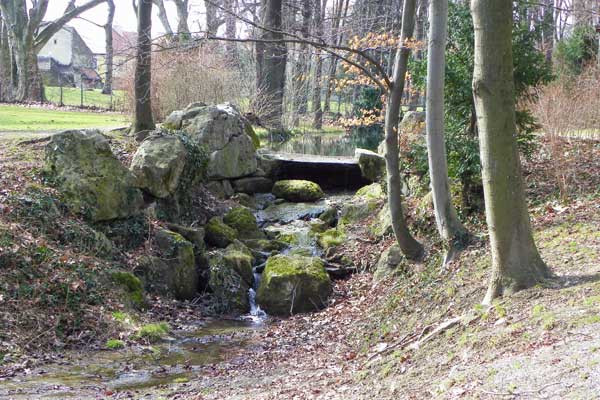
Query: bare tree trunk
[274, 63]
[108, 60]
[516, 263]
[163, 17]
[320, 6]
[340, 14]
[420, 29]
[411, 248]
[230, 31]
[183, 29]
[449, 226]
[5, 64]
[213, 22]
[143, 119]
[302, 67]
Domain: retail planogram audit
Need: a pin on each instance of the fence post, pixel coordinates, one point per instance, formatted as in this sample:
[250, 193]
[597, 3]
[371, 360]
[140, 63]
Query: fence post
[81, 87]
[61, 90]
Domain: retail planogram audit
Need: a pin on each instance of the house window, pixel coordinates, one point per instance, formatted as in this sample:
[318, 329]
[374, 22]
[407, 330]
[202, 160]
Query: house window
[54, 41]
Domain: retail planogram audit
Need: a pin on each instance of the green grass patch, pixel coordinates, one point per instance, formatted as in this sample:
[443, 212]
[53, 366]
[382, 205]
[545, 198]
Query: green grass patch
[153, 332]
[91, 98]
[114, 344]
[25, 119]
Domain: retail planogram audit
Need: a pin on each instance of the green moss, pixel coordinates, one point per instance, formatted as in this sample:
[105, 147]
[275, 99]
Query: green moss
[243, 221]
[253, 136]
[133, 286]
[331, 238]
[292, 284]
[297, 190]
[318, 226]
[288, 238]
[114, 344]
[372, 191]
[357, 211]
[329, 216]
[219, 234]
[153, 332]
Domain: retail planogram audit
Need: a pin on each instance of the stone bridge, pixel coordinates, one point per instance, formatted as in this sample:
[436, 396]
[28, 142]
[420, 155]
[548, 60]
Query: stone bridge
[328, 172]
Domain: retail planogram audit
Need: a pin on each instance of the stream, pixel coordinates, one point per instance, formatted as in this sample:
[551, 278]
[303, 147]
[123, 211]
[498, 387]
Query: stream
[179, 358]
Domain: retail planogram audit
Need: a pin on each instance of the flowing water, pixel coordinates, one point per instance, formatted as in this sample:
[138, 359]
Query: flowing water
[145, 369]
[173, 361]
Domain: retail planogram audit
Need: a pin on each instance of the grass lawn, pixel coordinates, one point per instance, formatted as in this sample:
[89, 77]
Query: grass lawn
[19, 119]
[91, 98]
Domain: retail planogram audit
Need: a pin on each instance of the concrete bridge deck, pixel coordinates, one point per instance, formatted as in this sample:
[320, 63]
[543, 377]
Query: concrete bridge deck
[329, 172]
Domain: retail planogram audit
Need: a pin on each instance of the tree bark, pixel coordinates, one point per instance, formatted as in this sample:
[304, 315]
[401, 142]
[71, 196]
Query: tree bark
[183, 28]
[5, 64]
[449, 226]
[340, 14]
[230, 32]
[420, 29]
[320, 6]
[274, 63]
[411, 248]
[302, 68]
[163, 17]
[143, 119]
[516, 263]
[108, 60]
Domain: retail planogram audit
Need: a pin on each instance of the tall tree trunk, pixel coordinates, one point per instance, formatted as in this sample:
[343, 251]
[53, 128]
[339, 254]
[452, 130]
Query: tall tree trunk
[5, 64]
[230, 32]
[320, 6]
[411, 248]
[516, 263]
[302, 68]
[448, 224]
[340, 14]
[420, 29]
[163, 17]
[212, 18]
[143, 119]
[274, 63]
[108, 60]
[183, 29]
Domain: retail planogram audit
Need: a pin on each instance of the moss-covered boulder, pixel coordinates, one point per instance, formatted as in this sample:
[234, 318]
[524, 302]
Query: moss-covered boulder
[158, 164]
[244, 222]
[297, 191]
[331, 238]
[219, 234]
[252, 135]
[179, 255]
[330, 216]
[293, 284]
[231, 277]
[92, 180]
[133, 288]
[391, 263]
[372, 165]
[366, 203]
[382, 224]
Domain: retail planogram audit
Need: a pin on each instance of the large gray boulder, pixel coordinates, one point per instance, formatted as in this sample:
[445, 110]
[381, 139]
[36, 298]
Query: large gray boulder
[222, 130]
[372, 165]
[158, 164]
[413, 122]
[92, 180]
[391, 263]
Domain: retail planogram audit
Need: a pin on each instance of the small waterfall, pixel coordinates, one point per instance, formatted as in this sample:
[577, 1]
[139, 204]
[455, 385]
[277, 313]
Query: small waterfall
[256, 313]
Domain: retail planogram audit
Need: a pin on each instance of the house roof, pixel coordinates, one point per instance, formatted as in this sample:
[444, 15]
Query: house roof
[124, 42]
